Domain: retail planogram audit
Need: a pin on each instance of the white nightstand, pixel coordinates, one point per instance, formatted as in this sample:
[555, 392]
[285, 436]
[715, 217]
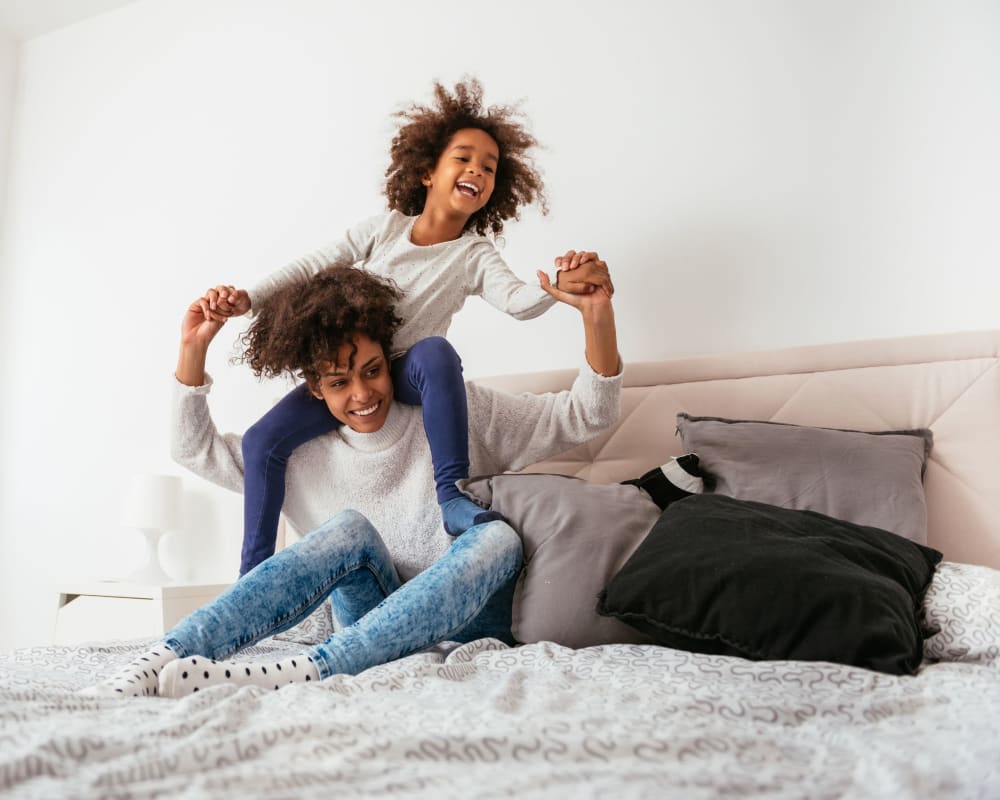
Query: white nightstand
[96, 610]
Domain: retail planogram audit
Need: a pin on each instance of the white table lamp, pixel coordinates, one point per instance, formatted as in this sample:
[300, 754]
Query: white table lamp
[152, 504]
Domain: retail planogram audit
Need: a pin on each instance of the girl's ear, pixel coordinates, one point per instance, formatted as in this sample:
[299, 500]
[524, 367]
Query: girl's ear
[314, 389]
[426, 180]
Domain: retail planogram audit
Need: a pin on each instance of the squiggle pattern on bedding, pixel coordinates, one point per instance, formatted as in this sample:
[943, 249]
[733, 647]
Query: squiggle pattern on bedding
[541, 720]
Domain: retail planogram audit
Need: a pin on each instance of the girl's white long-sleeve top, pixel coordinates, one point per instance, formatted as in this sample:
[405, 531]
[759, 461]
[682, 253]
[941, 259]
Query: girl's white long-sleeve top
[435, 279]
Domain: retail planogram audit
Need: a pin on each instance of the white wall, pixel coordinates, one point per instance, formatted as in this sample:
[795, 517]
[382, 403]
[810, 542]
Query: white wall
[8, 74]
[757, 174]
[8, 549]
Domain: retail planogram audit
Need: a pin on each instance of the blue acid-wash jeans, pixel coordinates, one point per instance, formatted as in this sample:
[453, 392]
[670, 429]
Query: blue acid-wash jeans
[429, 375]
[467, 594]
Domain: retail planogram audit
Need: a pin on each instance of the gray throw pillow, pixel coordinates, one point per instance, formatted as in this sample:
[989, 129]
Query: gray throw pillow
[576, 536]
[873, 479]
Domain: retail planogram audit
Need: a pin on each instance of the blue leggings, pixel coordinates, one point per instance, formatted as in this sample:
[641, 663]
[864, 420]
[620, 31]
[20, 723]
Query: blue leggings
[429, 374]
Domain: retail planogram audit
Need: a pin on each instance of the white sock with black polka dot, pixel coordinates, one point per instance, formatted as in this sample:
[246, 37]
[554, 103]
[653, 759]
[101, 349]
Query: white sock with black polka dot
[138, 678]
[187, 675]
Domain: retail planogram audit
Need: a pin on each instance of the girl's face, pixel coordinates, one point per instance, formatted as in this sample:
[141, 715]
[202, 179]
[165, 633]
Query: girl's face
[463, 179]
[359, 395]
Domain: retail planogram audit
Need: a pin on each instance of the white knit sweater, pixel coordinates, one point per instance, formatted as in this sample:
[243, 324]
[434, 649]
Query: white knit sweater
[388, 475]
[435, 279]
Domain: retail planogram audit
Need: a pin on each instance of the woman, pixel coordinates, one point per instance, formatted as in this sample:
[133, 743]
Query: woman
[397, 582]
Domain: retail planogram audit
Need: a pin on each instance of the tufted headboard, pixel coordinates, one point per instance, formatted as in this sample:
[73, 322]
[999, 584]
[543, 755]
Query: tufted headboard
[949, 383]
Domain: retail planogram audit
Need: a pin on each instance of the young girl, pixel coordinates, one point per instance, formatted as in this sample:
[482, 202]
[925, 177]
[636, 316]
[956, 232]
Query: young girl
[397, 582]
[458, 171]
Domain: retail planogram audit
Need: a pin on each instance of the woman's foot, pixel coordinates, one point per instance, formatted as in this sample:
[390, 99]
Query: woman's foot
[185, 676]
[460, 514]
[139, 678]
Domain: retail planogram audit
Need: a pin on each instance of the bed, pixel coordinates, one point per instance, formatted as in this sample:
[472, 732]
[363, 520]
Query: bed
[613, 720]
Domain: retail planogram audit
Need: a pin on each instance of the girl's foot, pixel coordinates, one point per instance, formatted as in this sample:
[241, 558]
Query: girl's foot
[460, 514]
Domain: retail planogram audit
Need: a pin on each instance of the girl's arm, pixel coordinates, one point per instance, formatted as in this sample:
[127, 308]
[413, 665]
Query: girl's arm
[226, 301]
[354, 246]
[502, 289]
[579, 273]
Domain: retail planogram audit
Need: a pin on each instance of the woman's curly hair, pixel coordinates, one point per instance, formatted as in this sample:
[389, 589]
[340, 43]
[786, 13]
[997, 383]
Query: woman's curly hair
[424, 133]
[303, 325]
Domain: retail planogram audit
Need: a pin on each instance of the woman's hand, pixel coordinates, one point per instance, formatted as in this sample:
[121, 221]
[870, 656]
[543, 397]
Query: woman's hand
[200, 325]
[600, 333]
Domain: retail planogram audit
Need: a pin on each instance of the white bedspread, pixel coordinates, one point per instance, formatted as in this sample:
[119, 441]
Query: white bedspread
[484, 720]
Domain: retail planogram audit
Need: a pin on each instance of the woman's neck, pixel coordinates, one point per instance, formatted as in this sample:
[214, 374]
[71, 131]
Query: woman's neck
[435, 227]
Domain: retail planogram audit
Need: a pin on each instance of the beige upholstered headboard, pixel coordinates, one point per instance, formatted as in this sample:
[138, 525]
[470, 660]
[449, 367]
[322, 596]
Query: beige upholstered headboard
[948, 383]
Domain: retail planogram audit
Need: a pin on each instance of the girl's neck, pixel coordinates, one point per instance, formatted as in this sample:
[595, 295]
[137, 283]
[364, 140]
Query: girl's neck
[434, 228]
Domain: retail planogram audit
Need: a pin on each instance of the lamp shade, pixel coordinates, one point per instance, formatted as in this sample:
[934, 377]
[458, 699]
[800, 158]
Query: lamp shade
[152, 501]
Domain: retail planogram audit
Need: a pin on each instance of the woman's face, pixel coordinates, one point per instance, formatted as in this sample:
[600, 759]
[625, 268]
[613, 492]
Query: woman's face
[358, 394]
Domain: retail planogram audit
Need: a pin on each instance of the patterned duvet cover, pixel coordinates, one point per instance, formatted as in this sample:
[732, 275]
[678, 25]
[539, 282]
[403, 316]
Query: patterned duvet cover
[484, 720]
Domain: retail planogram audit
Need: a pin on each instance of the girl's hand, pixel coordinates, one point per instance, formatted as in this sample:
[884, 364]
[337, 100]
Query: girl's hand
[573, 258]
[583, 272]
[224, 301]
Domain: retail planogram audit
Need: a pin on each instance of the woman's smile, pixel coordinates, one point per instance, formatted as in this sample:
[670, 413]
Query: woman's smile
[357, 387]
[365, 412]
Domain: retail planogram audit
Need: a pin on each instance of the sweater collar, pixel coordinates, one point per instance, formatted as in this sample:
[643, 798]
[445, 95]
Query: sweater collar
[396, 422]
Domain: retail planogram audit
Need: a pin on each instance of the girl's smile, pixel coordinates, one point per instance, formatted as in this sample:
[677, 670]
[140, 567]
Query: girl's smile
[463, 179]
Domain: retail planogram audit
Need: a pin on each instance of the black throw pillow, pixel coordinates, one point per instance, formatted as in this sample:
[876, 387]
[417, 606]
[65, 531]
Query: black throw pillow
[739, 578]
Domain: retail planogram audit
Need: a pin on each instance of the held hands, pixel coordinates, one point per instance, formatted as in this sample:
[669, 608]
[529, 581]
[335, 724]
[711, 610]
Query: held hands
[199, 328]
[590, 299]
[582, 272]
[222, 302]
[202, 320]
[594, 305]
[206, 315]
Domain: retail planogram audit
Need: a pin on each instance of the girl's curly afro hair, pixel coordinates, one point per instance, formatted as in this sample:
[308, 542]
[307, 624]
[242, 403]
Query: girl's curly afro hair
[424, 133]
[303, 325]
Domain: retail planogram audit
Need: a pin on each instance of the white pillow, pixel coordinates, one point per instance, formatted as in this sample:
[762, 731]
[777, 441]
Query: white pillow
[962, 604]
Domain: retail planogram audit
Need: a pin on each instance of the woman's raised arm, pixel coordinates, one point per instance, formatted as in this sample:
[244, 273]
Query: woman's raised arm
[198, 327]
[600, 333]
